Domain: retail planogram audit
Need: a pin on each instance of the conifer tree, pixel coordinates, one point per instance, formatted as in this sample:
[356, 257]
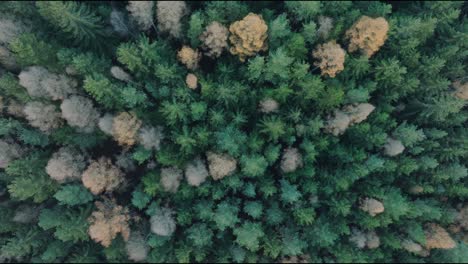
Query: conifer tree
[233, 131]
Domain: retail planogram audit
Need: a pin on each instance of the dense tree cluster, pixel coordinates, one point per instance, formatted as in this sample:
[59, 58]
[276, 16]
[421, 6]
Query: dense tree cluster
[233, 131]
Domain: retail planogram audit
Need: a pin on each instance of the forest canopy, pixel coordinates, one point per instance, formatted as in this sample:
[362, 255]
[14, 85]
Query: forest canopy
[233, 131]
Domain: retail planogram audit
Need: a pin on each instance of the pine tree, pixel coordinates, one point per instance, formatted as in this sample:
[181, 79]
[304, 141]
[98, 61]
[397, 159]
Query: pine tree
[77, 21]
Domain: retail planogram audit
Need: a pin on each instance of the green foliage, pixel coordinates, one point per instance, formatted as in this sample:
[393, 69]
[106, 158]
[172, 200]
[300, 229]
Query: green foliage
[29, 182]
[252, 111]
[408, 134]
[140, 199]
[231, 140]
[297, 47]
[76, 20]
[133, 97]
[56, 250]
[304, 216]
[73, 195]
[225, 215]
[26, 241]
[389, 73]
[33, 137]
[10, 87]
[253, 166]
[289, 192]
[30, 50]
[83, 63]
[256, 68]
[309, 32]
[103, 91]
[277, 67]
[69, 136]
[248, 235]
[279, 30]
[200, 235]
[292, 244]
[303, 10]
[141, 155]
[225, 12]
[253, 209]
[272, 127]
[195, 28]
[69, 225]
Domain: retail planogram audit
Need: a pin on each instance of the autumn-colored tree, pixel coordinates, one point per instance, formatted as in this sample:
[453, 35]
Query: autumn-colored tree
[107, 221]
[248, 36]
[102, 176]
[437, 237]
[191, 81]
[105, 123]
[364, 239]
[330, 58]
[125, 128]
[461, 90]
[367, 35]
[189, 57]
[325, 26]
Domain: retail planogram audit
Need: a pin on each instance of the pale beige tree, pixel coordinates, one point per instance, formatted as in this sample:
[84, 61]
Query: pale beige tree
[142, 12]
[330, 57]
[291, 160]
[102, 176]
[125, 128]
[220, 165]
[196, 172]
[393, 147]
[192, 81]
[170, 178]
[80, 112]
[108, 221]
[214, 39]
[9, 151]
[268, 105]
[437, 237]
[43, 116]
[163, 222]
[372, 206]
[169, 16]
[66, 164]
[136, 246]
